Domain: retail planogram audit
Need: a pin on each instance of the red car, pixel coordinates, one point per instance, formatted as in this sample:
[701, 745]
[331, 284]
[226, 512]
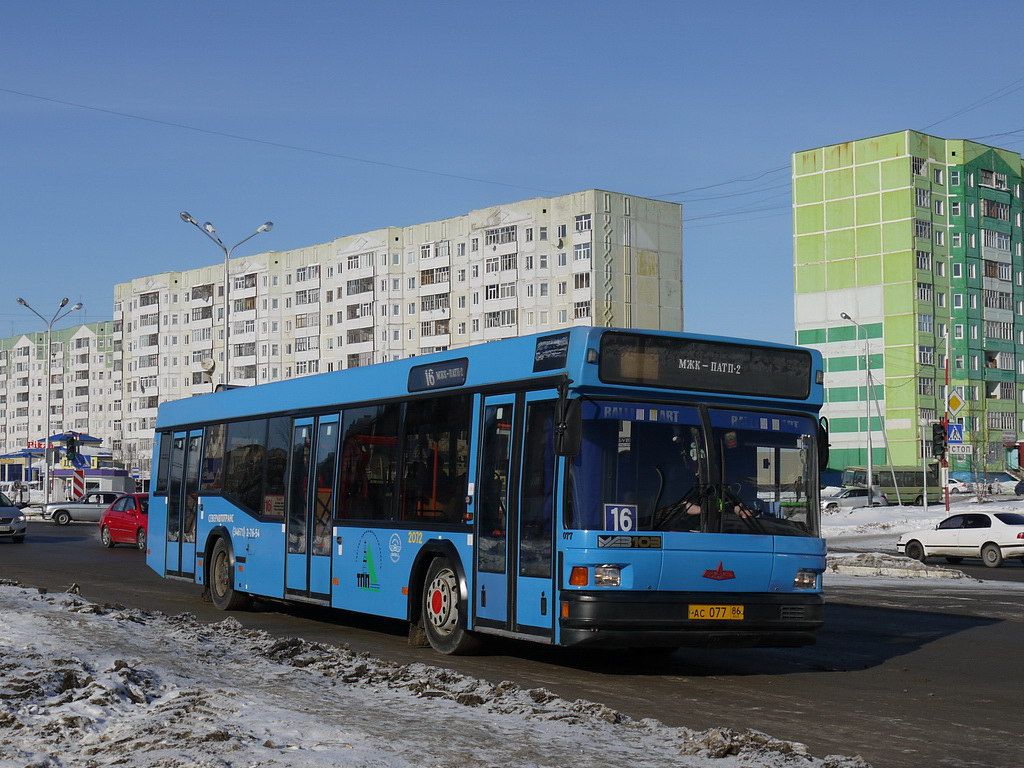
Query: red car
[126, 521]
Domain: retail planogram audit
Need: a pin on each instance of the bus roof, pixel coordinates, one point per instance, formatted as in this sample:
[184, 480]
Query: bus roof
[574, 352]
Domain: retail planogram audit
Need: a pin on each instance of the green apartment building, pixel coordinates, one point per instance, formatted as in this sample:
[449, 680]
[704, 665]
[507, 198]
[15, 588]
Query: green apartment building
[916, 238]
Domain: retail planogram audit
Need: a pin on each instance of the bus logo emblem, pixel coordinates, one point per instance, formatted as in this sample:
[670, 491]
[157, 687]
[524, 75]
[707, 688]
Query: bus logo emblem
[720, 573]
[368, 557]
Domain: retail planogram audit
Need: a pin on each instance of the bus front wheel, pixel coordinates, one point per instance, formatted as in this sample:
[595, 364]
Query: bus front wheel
[442, 610]
[222, 580]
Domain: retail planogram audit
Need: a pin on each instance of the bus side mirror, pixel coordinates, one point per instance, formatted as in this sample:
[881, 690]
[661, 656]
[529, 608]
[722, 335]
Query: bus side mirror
[822, 443]
[569, 432]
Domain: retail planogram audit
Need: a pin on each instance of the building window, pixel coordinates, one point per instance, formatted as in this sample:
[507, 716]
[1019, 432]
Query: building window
[940, 237]
[581, 280]
[581, 309]
[561, 230]
[926, 386]
[581, 251]
[958, 301]
[938, 207]
[922, 197]
[937, 175]
[924, 260]
[542, 261]
[922, 228]
[924, 291]
[995, 210]
[500, 235]
[561, 259]
[957, 240]
[918, 165]
[926, 355]
[925, 323]
[993, 179]
[954, 178]
[583, 223]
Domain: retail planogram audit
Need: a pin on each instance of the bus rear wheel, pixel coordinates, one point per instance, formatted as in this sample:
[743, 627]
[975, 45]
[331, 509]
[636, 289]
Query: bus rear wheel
[442, 612]
[222, 580]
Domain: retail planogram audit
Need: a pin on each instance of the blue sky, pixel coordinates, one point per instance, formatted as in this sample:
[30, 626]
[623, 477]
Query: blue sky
[648, 98]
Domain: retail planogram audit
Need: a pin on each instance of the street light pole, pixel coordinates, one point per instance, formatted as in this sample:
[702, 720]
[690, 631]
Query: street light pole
[58, 315]
[867, 374]
[211, 232]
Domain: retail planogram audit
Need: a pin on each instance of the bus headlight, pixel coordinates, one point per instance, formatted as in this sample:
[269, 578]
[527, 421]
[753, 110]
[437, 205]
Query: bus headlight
[805, 580]
[607, 576]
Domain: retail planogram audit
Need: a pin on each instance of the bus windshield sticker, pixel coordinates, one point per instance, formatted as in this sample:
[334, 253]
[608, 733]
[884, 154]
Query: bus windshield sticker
[551, 352]
[449, 373]
[706, 366]
[620, 517]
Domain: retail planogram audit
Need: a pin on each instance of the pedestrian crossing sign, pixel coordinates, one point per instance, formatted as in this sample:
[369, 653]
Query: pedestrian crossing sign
[954, 434]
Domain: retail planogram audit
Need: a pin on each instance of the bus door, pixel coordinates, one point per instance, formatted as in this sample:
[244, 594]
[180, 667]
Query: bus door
[310, 507]
[183, 503]
[513, 552]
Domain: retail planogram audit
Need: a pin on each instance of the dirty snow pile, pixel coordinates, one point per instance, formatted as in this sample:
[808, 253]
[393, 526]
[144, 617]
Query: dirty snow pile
[89, 685]
[893, 566]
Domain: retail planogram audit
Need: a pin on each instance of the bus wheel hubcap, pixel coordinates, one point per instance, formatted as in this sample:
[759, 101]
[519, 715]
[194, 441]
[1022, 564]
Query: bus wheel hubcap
[442, 606]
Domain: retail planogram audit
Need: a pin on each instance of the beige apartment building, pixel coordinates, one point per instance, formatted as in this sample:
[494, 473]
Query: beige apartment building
[85, 384]
[587, 258]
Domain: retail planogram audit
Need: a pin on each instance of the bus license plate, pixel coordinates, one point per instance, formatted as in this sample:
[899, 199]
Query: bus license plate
[715, 612]
[6, 529]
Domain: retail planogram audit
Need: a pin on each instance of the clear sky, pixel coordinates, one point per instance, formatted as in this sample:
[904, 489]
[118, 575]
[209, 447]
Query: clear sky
[644, 97]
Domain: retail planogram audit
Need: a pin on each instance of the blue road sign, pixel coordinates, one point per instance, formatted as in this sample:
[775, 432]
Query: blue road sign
[954, 434]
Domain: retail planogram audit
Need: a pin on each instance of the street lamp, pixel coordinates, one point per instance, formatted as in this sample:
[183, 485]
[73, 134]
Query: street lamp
[867, 373]
[60, 314]
[211, 232]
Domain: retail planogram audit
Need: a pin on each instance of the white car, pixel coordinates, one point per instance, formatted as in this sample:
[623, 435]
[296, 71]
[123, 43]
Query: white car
[992, 536]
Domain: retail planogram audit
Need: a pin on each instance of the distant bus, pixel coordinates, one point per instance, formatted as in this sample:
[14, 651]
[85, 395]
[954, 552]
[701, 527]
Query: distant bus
[591, 487]
[909, 479]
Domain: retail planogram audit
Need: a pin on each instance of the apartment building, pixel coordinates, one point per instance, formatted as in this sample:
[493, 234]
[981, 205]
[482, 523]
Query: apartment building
[85, 384]
[589, 258]
[918, 239]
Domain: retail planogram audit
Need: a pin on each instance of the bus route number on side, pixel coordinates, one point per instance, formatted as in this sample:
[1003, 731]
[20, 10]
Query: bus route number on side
[620, 517]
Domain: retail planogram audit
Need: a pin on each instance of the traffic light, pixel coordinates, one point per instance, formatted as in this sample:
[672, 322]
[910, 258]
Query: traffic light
[938, 439]
[72, 448]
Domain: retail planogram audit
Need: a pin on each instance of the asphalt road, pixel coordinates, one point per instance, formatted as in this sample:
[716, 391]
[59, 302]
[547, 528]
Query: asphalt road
[903, 677]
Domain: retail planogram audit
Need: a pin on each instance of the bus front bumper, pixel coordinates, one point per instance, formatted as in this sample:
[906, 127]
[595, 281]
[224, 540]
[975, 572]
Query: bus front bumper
[613, 619]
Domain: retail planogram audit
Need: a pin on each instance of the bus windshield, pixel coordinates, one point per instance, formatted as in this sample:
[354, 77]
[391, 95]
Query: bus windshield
[651, 461]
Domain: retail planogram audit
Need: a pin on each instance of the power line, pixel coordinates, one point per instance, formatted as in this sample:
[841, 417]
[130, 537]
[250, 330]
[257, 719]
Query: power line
[995, 95]
[724, 183]
[735, 194]
[269, 143]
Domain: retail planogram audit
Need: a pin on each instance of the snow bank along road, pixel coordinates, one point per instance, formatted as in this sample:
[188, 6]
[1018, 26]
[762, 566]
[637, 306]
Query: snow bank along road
[97, 685]
[932, 677]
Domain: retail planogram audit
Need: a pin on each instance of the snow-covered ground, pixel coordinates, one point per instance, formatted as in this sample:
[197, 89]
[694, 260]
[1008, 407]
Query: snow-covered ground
[868, 529]
[89, 685]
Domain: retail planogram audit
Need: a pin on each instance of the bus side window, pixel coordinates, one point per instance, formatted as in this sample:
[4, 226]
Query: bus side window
[538, 494]
[367, 468]
[165, 463]
[436, 459]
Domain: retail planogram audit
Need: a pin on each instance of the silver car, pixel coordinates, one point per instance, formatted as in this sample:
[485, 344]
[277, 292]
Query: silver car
[88, 508]
[12, 521]
[850, 498]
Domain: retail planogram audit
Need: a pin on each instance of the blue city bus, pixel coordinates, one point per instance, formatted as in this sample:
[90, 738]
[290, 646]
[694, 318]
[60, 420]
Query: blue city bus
[590, 487]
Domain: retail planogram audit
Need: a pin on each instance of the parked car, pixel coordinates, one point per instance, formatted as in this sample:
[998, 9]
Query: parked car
[12, 521]
[126, 521]
[88, 508]
[959, 486]
[848, 498]
[992, 536]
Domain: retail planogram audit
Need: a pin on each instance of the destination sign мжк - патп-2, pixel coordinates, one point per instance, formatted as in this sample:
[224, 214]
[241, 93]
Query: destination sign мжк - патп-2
[707, 366]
